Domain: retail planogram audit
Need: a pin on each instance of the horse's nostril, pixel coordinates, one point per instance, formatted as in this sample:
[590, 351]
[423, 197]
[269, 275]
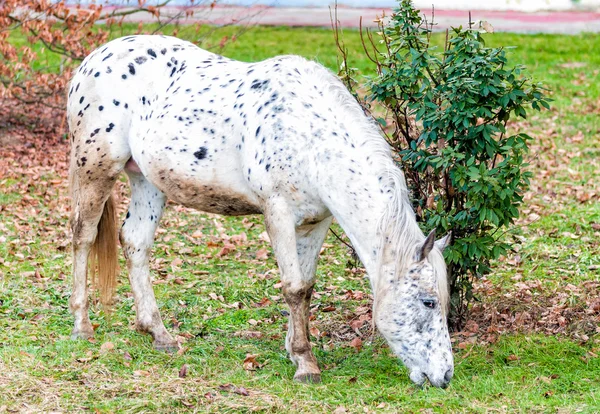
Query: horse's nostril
[448, 375]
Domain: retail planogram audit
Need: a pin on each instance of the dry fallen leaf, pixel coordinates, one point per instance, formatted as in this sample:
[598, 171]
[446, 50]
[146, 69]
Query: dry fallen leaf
[106, 347]
[241, 391]
[356, 343]
[250, 363]
[314, 331]
[227, 248]
[230, 388]
[263, 302]
[262, 254]
[249, 334]
[226, 387]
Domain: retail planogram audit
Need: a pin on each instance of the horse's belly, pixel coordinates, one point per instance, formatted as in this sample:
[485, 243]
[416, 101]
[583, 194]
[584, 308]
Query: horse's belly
[211, 193]
[217, 201]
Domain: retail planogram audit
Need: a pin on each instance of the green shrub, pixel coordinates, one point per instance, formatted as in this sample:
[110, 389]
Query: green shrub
[447, 112]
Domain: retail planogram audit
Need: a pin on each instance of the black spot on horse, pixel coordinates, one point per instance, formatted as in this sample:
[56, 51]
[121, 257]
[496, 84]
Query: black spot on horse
[81, 99]
[258, 84]
[151, 53]
[140, 59]
[201, 153]
[117, 103]
[107, 56]
[110, 127]
[131, 68]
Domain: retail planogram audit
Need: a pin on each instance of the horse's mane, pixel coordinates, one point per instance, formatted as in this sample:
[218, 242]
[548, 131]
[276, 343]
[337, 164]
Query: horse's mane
[398, 222]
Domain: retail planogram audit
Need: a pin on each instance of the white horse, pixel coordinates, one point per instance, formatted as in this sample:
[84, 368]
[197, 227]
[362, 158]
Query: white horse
[282, 138]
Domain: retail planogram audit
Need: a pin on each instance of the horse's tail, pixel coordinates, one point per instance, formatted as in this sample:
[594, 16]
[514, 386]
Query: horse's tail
[104, 254]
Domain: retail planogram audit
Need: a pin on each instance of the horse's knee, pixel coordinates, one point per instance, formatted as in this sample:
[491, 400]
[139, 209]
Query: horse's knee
[299, 346]
[297, 293]
[84, 223]
[78, 302]
[148, 322]
[83, 233]
[133, 244]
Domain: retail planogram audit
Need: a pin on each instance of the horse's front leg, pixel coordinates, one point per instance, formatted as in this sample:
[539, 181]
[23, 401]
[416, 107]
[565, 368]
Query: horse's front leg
[137, 236]
[297, 251]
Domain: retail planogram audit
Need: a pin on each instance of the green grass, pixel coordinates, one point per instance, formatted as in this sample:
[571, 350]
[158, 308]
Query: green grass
[42, 369]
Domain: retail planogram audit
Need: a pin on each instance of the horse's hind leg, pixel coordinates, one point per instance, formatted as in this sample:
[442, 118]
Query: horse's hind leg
[89, 199]
[137, 236]
[297, 250]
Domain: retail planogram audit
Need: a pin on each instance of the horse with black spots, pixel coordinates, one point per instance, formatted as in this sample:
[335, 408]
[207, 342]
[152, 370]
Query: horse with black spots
[282, 138]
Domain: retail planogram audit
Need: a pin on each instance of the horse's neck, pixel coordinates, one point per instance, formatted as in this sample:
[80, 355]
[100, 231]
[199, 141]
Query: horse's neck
[361, 229]
[363, 185]
[359, 208]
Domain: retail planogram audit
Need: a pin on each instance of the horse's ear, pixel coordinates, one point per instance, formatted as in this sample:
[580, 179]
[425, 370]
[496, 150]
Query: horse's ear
[426, 247]
[444, 241]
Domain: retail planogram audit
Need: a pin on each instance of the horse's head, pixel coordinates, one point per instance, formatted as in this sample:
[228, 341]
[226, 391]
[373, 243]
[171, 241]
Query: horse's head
[410, 311]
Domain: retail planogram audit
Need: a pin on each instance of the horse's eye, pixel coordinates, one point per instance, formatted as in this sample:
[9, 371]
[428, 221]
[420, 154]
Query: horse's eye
[429, 303]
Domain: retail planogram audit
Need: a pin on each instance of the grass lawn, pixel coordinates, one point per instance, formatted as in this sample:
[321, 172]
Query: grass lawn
[224, 309]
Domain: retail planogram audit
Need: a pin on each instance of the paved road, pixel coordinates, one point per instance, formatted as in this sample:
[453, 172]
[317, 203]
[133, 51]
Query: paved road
[519, 22]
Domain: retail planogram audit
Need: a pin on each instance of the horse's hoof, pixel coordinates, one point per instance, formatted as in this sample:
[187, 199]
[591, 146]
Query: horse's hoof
[82, 334]
[84, 331]
[308, 378]
[168, 347]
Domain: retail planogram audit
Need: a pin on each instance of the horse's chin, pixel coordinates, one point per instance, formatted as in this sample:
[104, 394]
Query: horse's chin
[416, 373]
[417, 376]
